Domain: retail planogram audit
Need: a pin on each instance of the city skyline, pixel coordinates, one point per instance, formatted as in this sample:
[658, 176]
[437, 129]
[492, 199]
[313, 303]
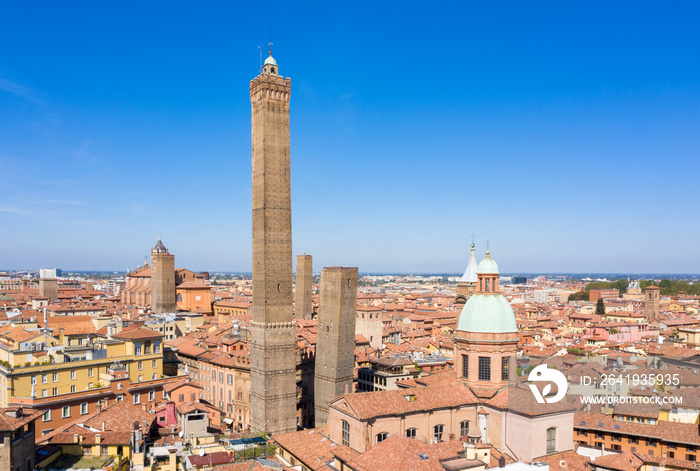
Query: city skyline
[564, 143]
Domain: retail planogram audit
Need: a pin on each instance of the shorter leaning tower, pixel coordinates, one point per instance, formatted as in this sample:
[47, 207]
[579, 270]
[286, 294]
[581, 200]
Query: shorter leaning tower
[335, 346]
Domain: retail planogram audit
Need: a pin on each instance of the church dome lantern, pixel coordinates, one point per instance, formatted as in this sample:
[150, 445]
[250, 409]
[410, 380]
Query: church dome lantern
[487, 310]
[487, 334]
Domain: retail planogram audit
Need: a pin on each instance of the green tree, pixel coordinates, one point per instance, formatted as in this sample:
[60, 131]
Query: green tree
[600, 307]
[579, 296]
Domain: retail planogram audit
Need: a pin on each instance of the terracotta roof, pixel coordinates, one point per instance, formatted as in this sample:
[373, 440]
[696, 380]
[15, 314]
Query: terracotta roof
[521, 400]
[117, 421]
[137, 333]
[573, 461]
[626, 461]
[170, 387]
[312, 448]
[674, 432]
[192, 285]
[211, 459]
[9, 423]
[375, 404]
[88, 437]
[398, 453]
[19, 334]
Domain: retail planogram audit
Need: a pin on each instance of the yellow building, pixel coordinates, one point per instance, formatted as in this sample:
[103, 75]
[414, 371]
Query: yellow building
[226, 310]
[29, 369]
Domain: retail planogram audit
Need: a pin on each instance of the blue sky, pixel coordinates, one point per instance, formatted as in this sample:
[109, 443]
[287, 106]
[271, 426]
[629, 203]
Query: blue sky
[566, 133]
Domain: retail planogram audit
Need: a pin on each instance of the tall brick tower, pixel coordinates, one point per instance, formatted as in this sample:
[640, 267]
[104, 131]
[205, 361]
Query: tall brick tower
[303, 306]
[335, 344]
[162, 279]
[48, 288]
[651, 304]
[273, 362]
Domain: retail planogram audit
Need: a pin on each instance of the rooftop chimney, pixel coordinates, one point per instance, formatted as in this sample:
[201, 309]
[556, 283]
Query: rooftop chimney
[470, 451]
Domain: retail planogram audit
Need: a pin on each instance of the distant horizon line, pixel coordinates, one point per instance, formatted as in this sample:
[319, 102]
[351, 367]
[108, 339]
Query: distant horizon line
[405, 273]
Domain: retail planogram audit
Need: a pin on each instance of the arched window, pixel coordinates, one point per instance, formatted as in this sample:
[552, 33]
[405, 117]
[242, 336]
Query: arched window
[488, 285]
[381, 437]
[551, 440]
[345, 428]
[438, 430]
[411, 432]
[179, 297]
[463, 428]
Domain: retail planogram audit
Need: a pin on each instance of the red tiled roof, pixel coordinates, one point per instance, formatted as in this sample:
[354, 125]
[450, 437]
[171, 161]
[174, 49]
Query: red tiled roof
[137, 333]
[312, 448]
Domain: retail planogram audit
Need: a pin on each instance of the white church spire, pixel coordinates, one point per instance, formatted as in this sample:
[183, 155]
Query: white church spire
[470, 273]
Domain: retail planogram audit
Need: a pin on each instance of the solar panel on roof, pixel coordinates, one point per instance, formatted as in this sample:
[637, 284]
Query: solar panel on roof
[247, 441]
[600, 424]
[583, 423]
[617, 427]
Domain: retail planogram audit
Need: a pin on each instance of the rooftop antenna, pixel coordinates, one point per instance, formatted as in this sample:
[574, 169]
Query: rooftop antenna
[473, 235]
[260, 48]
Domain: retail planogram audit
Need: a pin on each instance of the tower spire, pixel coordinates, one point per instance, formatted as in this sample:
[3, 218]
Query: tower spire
[270, 43]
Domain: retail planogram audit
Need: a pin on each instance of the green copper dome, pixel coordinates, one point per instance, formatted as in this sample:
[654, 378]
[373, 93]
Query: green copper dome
[487, 313]
[270, 60]
[487, 266]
